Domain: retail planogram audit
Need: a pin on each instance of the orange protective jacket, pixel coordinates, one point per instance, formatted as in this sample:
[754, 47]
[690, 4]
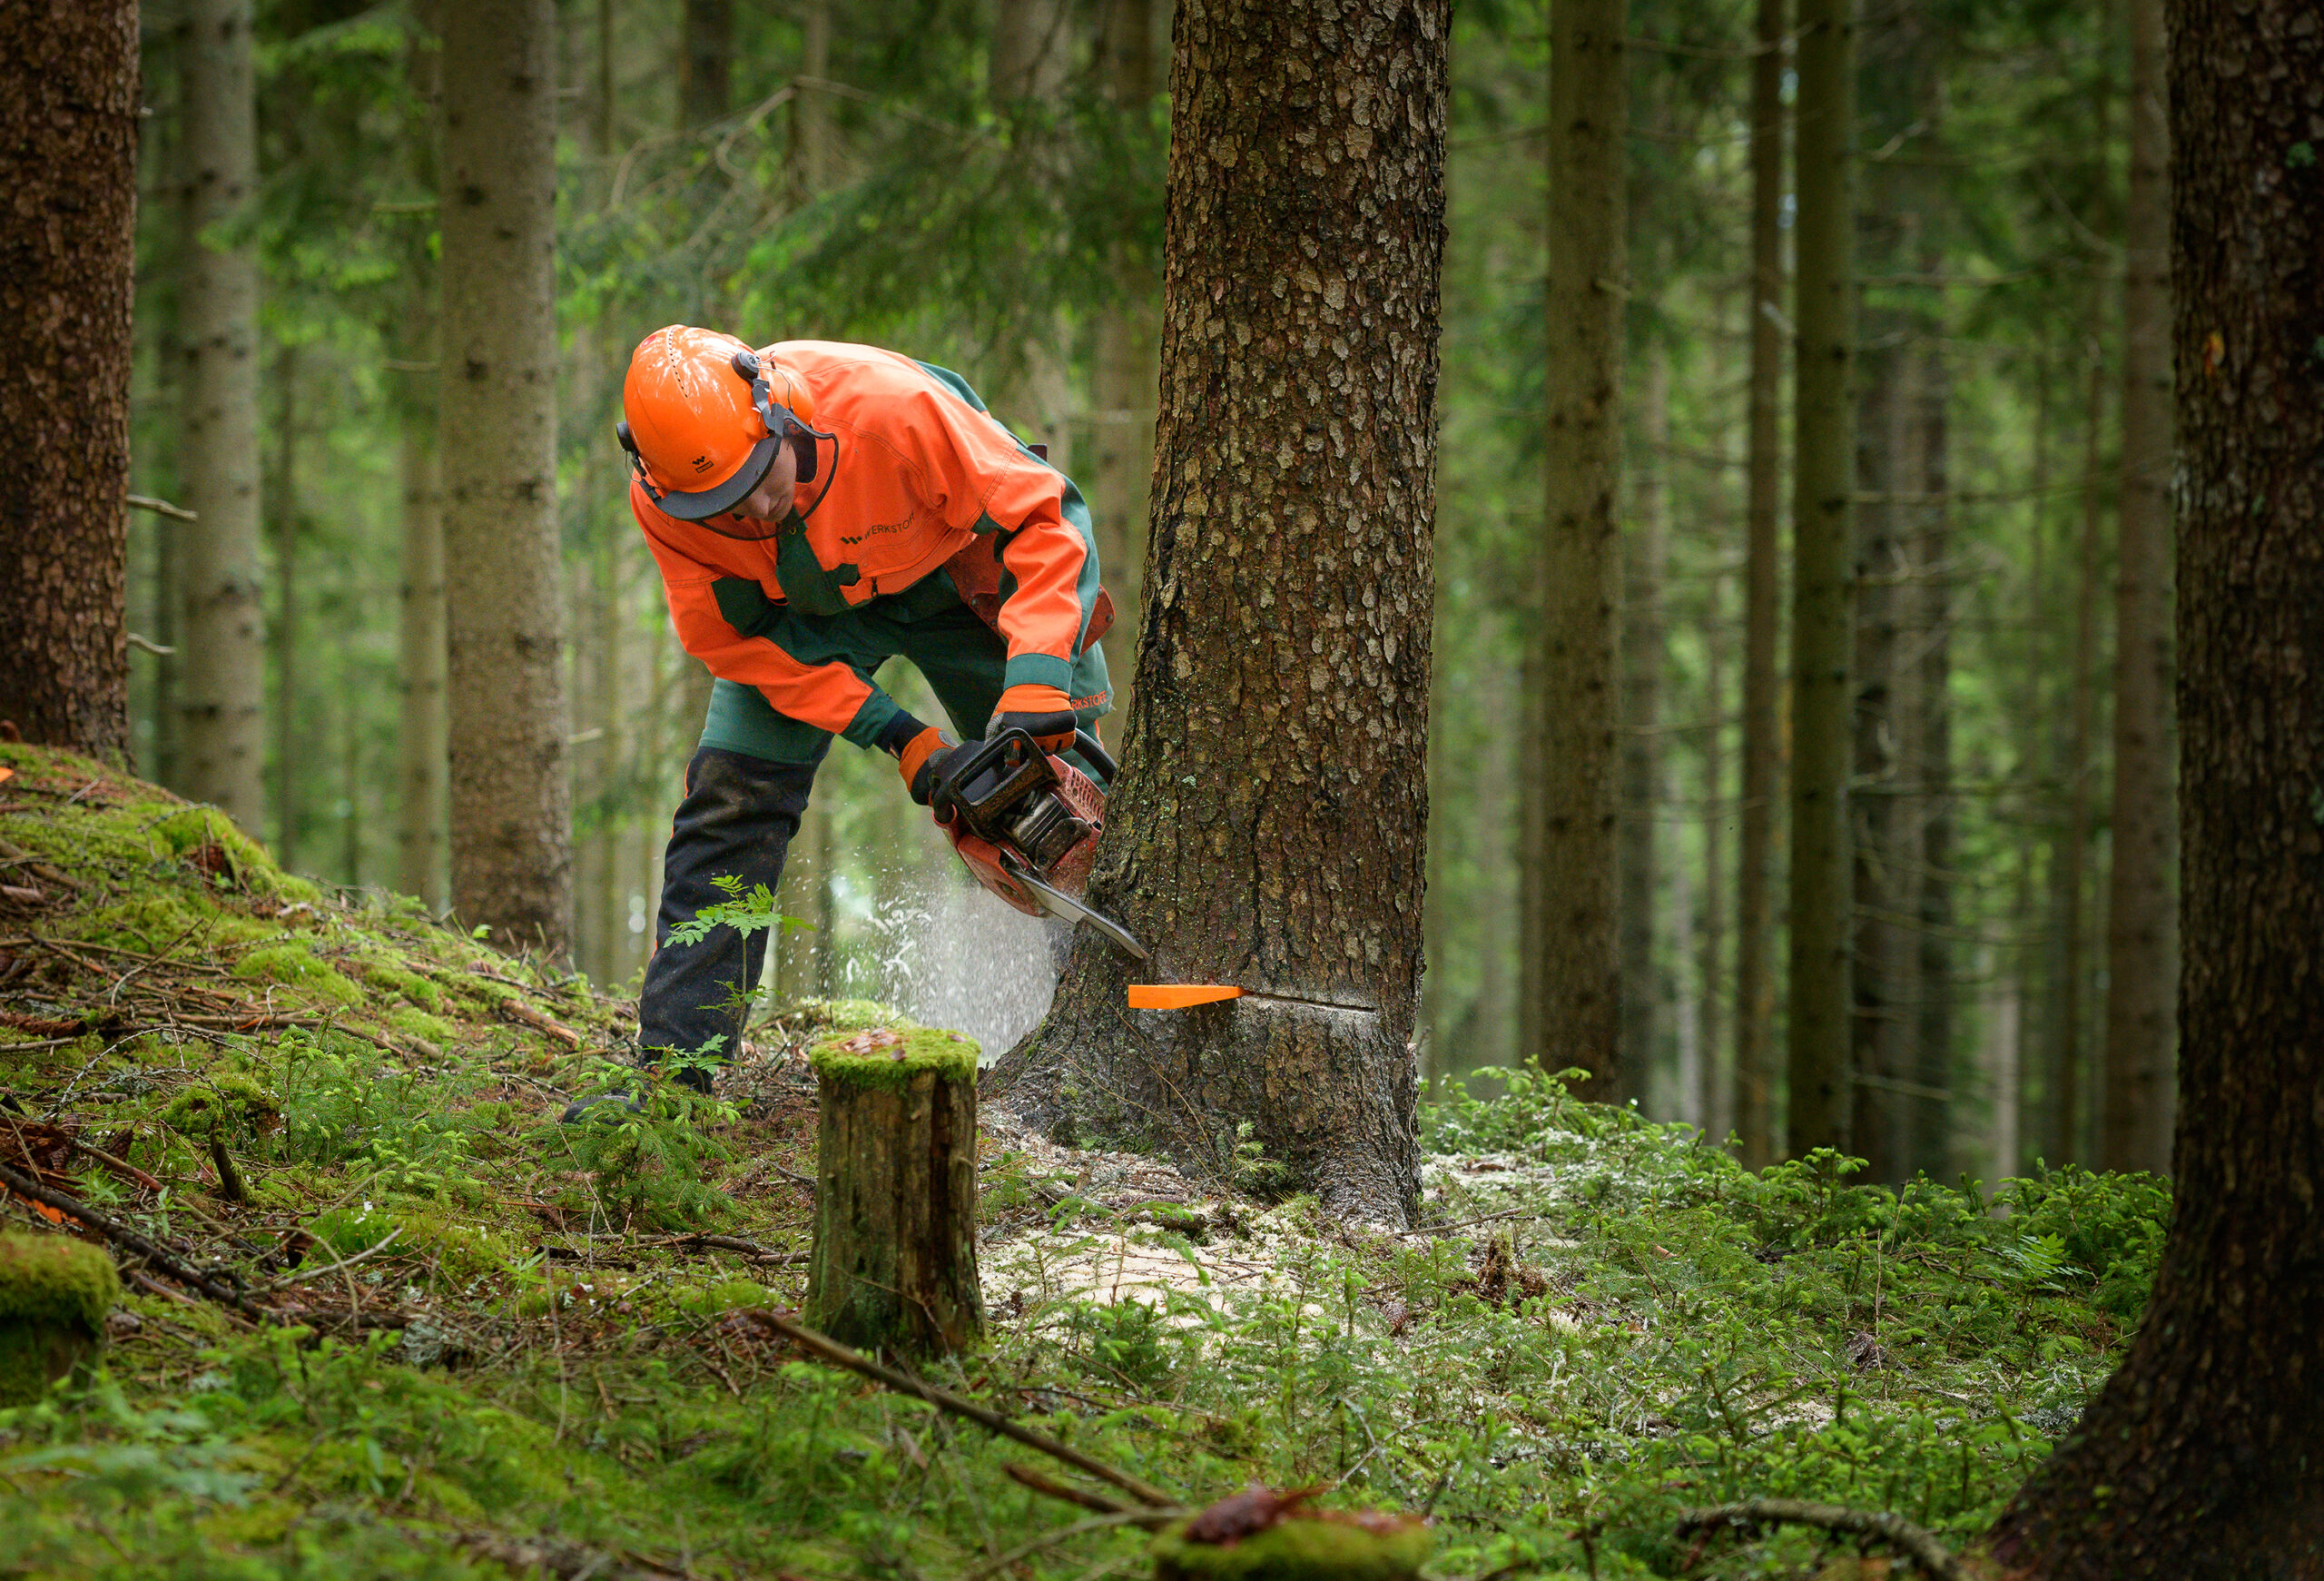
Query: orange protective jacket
[923, 480]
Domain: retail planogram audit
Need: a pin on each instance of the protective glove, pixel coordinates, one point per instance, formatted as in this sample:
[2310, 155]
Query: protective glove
[919, 759]
[1044, 712]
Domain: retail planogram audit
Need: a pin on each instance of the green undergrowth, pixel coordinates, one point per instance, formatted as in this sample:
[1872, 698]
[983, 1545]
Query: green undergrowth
[508, 1345]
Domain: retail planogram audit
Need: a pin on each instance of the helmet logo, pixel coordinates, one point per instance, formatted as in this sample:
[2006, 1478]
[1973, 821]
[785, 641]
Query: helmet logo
[701, 463]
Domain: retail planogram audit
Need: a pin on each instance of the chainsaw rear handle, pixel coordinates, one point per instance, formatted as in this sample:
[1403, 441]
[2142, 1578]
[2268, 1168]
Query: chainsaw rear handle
[1085, 743]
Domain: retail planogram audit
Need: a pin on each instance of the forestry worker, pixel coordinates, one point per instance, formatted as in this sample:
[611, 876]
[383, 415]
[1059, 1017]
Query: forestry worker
[815, 509]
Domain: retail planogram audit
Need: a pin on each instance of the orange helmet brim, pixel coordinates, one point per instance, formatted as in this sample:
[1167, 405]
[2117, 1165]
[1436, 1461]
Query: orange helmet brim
[724, 497]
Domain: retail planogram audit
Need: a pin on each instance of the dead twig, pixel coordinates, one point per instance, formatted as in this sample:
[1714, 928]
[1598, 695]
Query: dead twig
[1025, 1476]
[839, 1355]
[1918, 1543]
[305, 1274]
[750, 1249]
[1465, 1223]
[129, 1241]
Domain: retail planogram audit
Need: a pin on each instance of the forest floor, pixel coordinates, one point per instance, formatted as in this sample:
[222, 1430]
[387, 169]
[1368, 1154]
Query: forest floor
[488, 1344]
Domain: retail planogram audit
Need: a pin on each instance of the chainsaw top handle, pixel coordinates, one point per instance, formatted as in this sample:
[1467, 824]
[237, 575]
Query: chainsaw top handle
[994, 775]
[1094, 751]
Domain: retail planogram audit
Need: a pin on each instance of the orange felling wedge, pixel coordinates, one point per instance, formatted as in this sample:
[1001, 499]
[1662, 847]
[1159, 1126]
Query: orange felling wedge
[1178, 995]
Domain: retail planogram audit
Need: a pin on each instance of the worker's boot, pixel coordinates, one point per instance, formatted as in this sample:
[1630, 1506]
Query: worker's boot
[737, 821]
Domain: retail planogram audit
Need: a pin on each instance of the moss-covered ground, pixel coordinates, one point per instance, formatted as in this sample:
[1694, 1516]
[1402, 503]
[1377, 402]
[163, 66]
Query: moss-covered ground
[499, 1346]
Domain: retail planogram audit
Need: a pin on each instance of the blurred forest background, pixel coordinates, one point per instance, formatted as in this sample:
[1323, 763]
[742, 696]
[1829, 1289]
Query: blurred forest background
[981, 185]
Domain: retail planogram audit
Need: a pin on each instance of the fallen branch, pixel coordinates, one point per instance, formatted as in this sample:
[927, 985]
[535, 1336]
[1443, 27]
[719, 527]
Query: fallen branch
[1081, 1497]
[1918, 1543]
[839, 1355]
[540, 1023]
[129, 1241]
[750, 1249]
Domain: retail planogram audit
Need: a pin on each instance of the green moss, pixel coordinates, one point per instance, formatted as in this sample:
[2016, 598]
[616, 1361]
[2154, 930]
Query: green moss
[294, 965]
[1297, 1550]
[418, 1024]
[411, 985]
[893, 1061]
[228, 1100]
[54, 1294]
[152, 919]
[724, 1296]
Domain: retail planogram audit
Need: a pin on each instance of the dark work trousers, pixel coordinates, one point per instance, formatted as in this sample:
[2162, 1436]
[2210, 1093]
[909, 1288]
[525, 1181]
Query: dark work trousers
[739, 815]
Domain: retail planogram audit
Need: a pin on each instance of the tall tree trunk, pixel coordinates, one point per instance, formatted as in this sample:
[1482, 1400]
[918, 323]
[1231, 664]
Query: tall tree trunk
[1755, 1004]
[817, 141]
[2198, 1459]
[705, 46]
[1929, 1130]
[1123, 375]
[223, 684]
[1032, 50]
[1026, 71]
[1882, 984]
[68, 151]
[1822, 510]
[1285, 712]
[2061, 1136]
[1648, 546]
[422, 791]
[511, 828]
[282, 632]
[2142, 912]
[1712, 1099]
[1569, 998]
[170, 532]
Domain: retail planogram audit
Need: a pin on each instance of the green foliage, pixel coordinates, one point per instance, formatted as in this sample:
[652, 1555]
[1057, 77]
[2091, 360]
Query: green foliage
[651, 1155]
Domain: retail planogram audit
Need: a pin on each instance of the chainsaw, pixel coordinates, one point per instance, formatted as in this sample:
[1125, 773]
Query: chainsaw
[1026, 825]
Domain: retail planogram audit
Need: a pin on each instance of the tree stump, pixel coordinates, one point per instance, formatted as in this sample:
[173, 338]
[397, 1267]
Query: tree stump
[1301, 1545]
[894, 1265]
[54, 1294]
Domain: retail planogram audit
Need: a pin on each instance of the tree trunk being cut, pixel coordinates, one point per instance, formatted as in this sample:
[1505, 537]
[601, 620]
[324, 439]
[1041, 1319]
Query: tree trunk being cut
[894, 1266]
[1268, 831]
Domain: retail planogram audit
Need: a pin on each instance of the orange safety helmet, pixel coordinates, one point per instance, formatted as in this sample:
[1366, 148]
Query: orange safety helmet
[702, 420]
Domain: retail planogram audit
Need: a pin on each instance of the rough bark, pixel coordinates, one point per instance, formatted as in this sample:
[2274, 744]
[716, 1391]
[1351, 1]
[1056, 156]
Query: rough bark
[894, 1264]
[1822, 506]
[1755, 1005]
[2198, 1460]
[221, 634]
[2141, 910]
[68, 150]
[1642, 996]
[511, 862]
[1569, 998]
[1268, 826]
